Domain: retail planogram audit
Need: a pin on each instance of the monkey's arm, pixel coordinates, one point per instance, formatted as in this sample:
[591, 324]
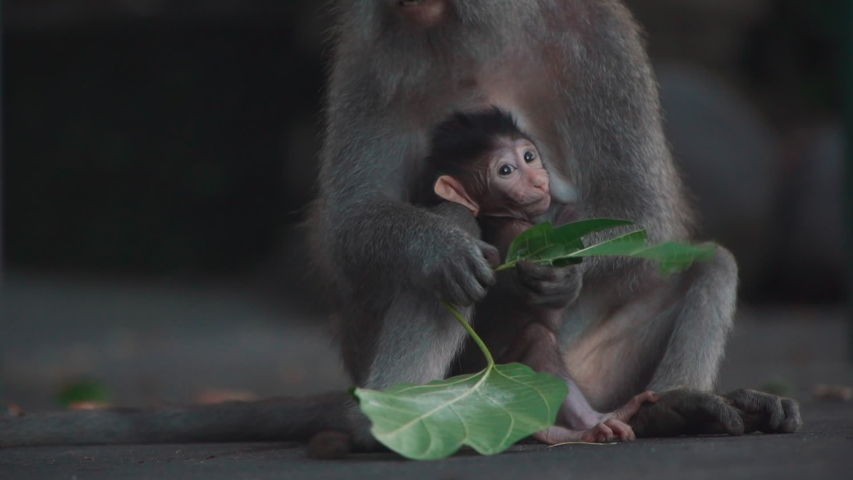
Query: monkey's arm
[368, 232]
[387, 245]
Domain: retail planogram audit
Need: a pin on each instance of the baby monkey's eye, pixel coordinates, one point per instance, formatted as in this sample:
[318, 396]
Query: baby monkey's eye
[506, 170]
[529, 156]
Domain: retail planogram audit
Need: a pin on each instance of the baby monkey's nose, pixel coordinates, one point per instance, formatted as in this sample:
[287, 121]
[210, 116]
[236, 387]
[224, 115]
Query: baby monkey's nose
[541, 183]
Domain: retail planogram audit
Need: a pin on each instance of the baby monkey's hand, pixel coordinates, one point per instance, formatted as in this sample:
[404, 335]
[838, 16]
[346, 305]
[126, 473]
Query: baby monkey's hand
[546, 286]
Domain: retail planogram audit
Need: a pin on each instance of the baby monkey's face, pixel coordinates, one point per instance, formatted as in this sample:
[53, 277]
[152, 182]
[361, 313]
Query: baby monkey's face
[515, 182]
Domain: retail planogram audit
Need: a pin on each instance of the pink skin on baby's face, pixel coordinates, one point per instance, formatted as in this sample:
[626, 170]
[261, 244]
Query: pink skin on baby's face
[511, 183]
[507, 189]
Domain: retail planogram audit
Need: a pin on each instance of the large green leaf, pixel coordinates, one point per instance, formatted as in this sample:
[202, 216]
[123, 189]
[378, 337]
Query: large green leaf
[547, 245]
[671, 256]
[488, 411]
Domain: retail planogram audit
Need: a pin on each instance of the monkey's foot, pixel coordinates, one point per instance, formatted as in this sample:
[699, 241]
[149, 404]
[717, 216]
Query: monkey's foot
[612, 426]
[684, 411]
[607, 431]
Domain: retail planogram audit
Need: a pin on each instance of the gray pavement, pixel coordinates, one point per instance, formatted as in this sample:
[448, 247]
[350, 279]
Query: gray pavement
[822, 450]
[156, 341]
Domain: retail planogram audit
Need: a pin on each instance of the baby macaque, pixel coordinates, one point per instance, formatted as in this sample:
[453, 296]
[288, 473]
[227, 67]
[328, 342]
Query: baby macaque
[483, 160]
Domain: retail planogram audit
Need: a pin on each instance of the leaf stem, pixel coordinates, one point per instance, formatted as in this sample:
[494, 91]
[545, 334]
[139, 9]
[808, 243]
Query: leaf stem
[470, 330]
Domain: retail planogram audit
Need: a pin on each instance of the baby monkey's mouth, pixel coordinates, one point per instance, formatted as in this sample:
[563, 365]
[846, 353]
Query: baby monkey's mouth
[537, 207]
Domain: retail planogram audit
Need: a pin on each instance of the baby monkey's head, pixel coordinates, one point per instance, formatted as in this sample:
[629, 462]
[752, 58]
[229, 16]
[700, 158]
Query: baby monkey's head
[484, 161]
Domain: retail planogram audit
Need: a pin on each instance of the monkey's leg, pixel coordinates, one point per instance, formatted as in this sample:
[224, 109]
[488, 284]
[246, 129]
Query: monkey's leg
[518, 332]
[688, 369]
[416, 341]
[411, 338]
[700, 328]
[536, 347]
[669, 336]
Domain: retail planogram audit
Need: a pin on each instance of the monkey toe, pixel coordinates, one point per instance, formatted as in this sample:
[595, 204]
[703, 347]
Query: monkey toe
[791, 425]
[775, 414]
[622, 430]
[555, 435]
[792, 421]
[627, 411]
[603, 433]
[731, 421]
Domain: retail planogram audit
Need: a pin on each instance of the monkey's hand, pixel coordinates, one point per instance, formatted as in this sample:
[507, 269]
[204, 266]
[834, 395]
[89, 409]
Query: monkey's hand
[545, 286]
[461, 270]
[610, 427]
[685, 411]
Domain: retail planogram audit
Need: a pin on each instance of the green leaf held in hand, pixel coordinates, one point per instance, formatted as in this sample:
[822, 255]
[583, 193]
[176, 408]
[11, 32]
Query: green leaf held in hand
[488, 411]
[547, 245]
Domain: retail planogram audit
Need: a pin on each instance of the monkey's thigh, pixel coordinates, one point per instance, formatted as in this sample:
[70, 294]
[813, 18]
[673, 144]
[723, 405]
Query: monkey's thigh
[412, 339]
[671, 332]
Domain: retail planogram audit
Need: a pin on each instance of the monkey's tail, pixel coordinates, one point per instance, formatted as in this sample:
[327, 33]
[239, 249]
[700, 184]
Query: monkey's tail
[285, 419]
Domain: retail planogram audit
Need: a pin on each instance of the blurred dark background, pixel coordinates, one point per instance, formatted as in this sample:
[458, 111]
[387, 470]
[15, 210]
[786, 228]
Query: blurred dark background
[158, 156]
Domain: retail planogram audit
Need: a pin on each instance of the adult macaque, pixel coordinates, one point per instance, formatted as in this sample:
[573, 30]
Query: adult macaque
[483, 161]
[575, 74]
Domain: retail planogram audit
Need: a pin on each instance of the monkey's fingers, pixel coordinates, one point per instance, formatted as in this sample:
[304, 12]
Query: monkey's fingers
[480, 269]
[453, 286]
[465, 282]
[534, 273]
[548, 287]
[490, 253]
[461, 289]
[483, 265]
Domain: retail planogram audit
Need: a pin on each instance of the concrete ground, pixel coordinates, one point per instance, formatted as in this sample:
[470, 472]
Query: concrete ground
[823, 449]
[154, 342]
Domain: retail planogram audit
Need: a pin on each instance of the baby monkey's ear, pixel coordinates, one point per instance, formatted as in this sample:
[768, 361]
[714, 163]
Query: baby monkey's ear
[452, 190]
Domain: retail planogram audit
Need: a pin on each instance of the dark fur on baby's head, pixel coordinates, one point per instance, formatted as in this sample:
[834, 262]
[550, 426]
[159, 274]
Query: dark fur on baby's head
[463, 139]
[459, 143]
